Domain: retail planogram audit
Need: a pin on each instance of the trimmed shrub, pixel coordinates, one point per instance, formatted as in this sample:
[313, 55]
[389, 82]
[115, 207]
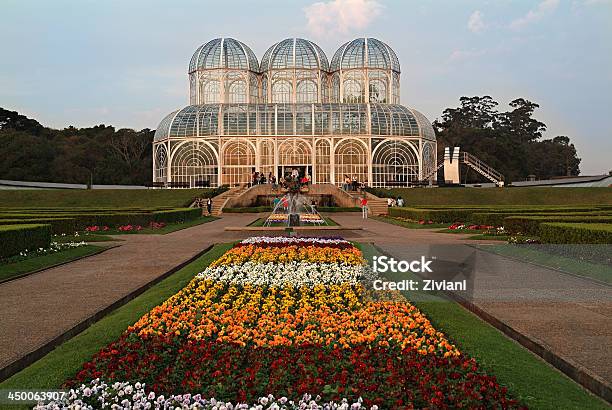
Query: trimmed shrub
[530, 225]
[58, 225]
[555, 232]
[435, 215]
[177, 215]
[17, 238]
[499, 218]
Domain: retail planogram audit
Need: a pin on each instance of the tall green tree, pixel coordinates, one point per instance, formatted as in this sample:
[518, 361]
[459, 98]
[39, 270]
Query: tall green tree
[509, 141]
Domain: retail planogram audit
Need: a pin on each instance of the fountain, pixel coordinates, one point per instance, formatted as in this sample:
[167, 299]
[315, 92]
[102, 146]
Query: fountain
[294, 209]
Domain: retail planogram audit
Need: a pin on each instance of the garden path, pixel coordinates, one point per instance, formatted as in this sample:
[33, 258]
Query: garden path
[40, 307]
[568, 315]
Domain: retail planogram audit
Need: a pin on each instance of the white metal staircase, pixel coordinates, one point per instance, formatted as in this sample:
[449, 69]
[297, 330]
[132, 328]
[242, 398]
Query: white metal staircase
[482, 168]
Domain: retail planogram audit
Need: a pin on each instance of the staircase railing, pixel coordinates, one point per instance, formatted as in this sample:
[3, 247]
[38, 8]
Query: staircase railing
[482, 168]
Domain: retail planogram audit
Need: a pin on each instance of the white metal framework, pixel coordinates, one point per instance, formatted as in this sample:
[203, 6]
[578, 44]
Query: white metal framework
[333, 120]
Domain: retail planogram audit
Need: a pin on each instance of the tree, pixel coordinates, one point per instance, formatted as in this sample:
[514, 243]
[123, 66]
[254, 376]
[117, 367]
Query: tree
[32, 152]
[508, 141]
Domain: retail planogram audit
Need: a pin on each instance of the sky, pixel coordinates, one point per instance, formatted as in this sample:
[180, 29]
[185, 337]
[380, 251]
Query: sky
[124, 63]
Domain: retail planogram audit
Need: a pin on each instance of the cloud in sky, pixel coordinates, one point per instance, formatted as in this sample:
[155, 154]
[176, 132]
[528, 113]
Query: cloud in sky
[594, 2]
[536, 14]
[476, 22]
[340, 16]
[462, 55]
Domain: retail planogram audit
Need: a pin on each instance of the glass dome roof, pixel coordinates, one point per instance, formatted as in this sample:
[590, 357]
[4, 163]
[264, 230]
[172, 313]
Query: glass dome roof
[224, 53]
[295, 119]
[365, 53]
[294, 53]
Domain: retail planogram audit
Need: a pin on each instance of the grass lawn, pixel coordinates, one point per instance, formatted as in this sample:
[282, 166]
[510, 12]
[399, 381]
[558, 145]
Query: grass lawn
[528, 377]
[530, 196]
[11, 270]
[171, 227]
[261, 221]
[38, 198]
[600, 272]
[406, 224]
[67, 359]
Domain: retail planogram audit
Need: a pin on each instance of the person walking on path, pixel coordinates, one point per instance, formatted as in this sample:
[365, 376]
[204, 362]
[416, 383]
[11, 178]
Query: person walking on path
[209, 206]
[364, 207]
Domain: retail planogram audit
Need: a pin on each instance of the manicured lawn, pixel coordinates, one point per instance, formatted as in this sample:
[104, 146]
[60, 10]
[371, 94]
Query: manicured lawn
[406, 224]
[501, 196]
[11, 270]
[67, 198]
[527, 376]
[532, 254]
[63, 362]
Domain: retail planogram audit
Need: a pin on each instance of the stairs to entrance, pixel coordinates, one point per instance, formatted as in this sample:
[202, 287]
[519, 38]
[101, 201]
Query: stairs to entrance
[222, 199]
[376, 205]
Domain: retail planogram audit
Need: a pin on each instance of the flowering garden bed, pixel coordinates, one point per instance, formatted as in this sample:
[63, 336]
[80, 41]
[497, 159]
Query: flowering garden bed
[289, 317]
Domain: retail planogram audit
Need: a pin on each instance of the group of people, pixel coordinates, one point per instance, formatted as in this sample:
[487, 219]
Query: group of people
[259, 178]
[353, 184]
[399, 201]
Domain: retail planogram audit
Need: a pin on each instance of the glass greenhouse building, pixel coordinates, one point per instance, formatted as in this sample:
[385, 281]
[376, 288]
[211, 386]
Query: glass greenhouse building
[294, 110]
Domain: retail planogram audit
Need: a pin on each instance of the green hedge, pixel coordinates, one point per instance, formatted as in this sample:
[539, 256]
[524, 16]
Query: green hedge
[17, 238]
[483, 216]
[177, 215]
[554, 232]
[499, 218]
[58, 225]
[435, 215]
[530, 225]
[80, 219]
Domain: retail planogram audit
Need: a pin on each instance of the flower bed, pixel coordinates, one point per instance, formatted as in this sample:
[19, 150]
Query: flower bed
[304, 218]
[288, 317]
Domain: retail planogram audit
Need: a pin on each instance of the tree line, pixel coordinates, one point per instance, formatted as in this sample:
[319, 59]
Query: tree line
[102, 154]
[509, 141]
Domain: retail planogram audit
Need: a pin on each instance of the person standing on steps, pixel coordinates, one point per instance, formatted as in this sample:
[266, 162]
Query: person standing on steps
[364, 207]
[209, 206]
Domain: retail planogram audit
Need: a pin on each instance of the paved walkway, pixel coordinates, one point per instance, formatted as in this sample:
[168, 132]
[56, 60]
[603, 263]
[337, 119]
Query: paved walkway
[42, 306]
[570, 315]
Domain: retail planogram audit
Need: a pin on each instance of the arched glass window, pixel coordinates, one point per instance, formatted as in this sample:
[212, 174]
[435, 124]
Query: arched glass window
[211, 92]
[353, 91]
[237, 92]
[378, 91]
[335, 88]
[281, 91]
[306, 92]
